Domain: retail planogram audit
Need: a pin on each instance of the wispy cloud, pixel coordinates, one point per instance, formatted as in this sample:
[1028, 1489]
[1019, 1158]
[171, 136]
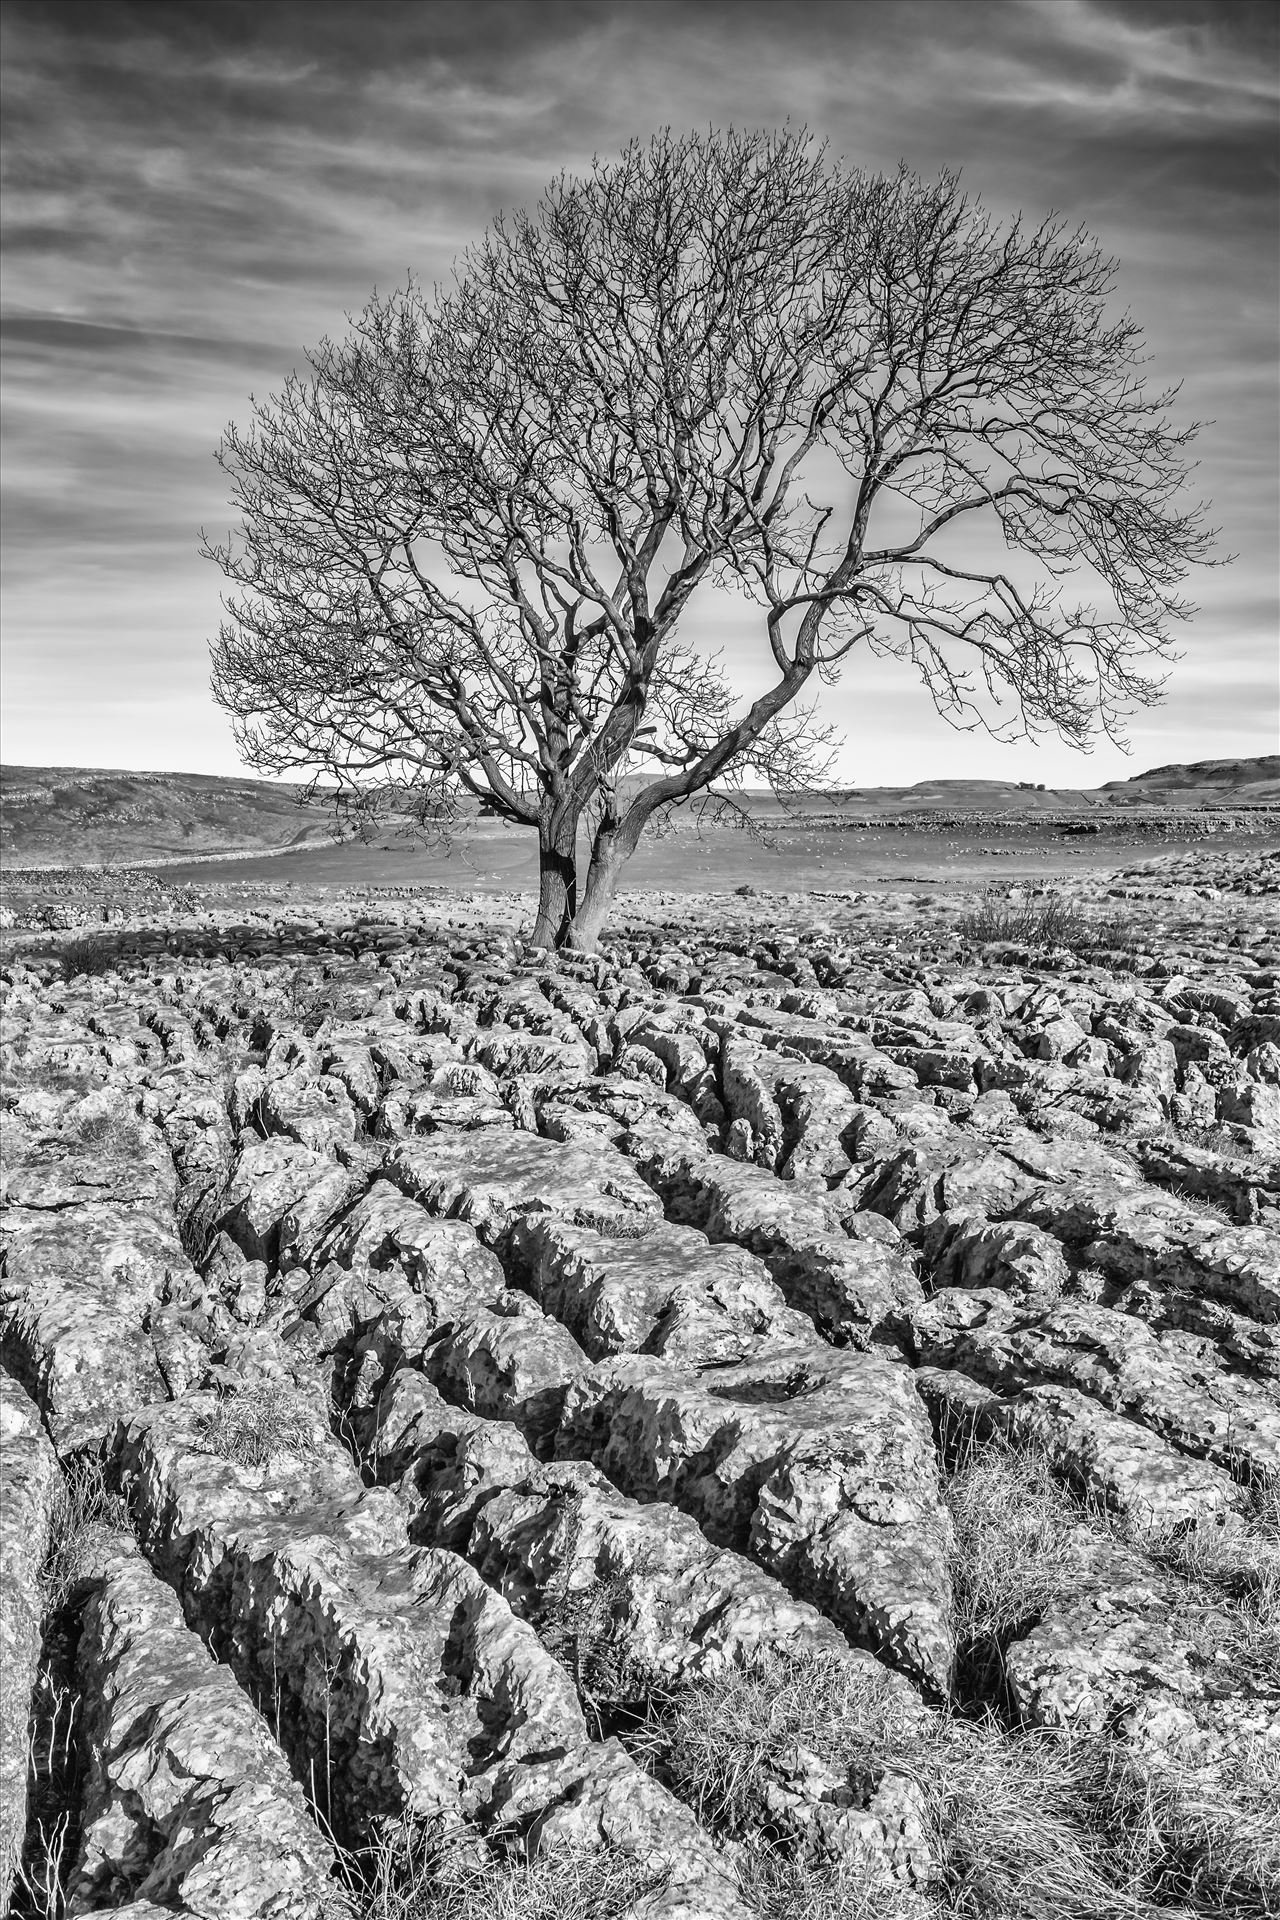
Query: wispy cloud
[195, 193]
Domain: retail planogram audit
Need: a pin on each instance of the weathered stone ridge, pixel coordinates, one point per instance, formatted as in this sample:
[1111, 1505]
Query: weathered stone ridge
[494, 1349]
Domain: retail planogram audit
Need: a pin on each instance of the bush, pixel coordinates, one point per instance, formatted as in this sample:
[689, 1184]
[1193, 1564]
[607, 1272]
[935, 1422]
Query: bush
[1047, 923]
[91, 954]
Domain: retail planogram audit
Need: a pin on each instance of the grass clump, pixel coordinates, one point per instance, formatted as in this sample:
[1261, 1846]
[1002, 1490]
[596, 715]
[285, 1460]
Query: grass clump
[1016, 1823]
[86, 957]
[1030, 1824]
[1021, 1545]
[1051, 922]
[114, 1131]
[84, 1510]
[1001, 1833]
[406, 1876]
[715, 1743]
[250, 1427]
[200, 1213]
[1226, 1584]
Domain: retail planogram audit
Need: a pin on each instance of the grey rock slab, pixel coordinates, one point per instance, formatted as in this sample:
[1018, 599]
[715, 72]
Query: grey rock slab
[515, 1365]
[1114, 1649]
[29, 1469]
[75, 1299]
[851, 1288]
[1113, 1359]
[555, 1535]
[505, 1052]
[1145, 1235]
[1109, 1459]
[672, 1293]
[819, 1463]
[966, 1250]
[798, 1110]
[915, 1185]
[397, 1669]
[854, 1060]
[268, 1181]
[441, 1259]
[127, 1165]
[313, 1109]
[598, 1799]
[490, 1182]
[187, 1801]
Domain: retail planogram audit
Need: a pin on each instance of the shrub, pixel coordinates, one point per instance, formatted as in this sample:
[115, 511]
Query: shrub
[1051, 922]
[90, 954]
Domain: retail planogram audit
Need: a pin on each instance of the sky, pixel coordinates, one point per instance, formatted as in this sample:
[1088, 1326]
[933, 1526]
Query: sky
[195, 193]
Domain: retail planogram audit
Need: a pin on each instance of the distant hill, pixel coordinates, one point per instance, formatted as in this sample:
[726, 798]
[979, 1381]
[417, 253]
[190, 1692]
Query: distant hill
[1228, 781]
[90, 816]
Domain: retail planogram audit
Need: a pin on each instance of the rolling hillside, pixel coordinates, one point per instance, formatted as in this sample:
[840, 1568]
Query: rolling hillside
[88, 816]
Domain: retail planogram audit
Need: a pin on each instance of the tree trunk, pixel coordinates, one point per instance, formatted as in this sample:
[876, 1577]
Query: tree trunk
[609, 855]
[557, 883]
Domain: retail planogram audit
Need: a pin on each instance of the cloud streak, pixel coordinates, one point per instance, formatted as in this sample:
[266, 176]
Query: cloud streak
[194, 194]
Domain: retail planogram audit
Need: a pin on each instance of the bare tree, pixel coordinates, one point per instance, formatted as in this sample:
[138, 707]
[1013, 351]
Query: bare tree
[469, 534]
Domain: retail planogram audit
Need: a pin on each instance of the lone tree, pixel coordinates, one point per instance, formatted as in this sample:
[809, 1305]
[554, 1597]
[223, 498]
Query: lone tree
[469, 533]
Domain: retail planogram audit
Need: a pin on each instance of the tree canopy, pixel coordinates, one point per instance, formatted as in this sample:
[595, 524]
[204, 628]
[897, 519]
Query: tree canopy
[468, 533]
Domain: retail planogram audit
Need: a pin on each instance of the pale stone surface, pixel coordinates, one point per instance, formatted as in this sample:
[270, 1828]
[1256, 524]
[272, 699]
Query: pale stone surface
[851, 1289]
[1110, 1460]
[671, 1293]
[29, 1470]
[77, 1292]
[1133, 1236]
[1121, 1363]
[187, 1799]
[1047, 1143]
[819, 1463]
[489, 1183]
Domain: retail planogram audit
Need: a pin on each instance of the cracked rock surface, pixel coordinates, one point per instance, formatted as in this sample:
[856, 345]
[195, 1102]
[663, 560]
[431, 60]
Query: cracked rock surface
[498, 1353]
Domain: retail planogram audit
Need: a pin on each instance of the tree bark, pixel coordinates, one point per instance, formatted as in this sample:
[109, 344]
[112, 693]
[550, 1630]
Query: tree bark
[557, 882]
[612, 848]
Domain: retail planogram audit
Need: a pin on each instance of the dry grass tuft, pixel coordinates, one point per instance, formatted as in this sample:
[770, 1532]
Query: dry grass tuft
[1048, 923]
[1021, 1543]
[1226, 1584]
[200, 1214]
[91, 954]
[1022, 1824]
[779, 1887]
[401, 1878]
[250, 1427]
[84, 1510]
[714, 1742]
